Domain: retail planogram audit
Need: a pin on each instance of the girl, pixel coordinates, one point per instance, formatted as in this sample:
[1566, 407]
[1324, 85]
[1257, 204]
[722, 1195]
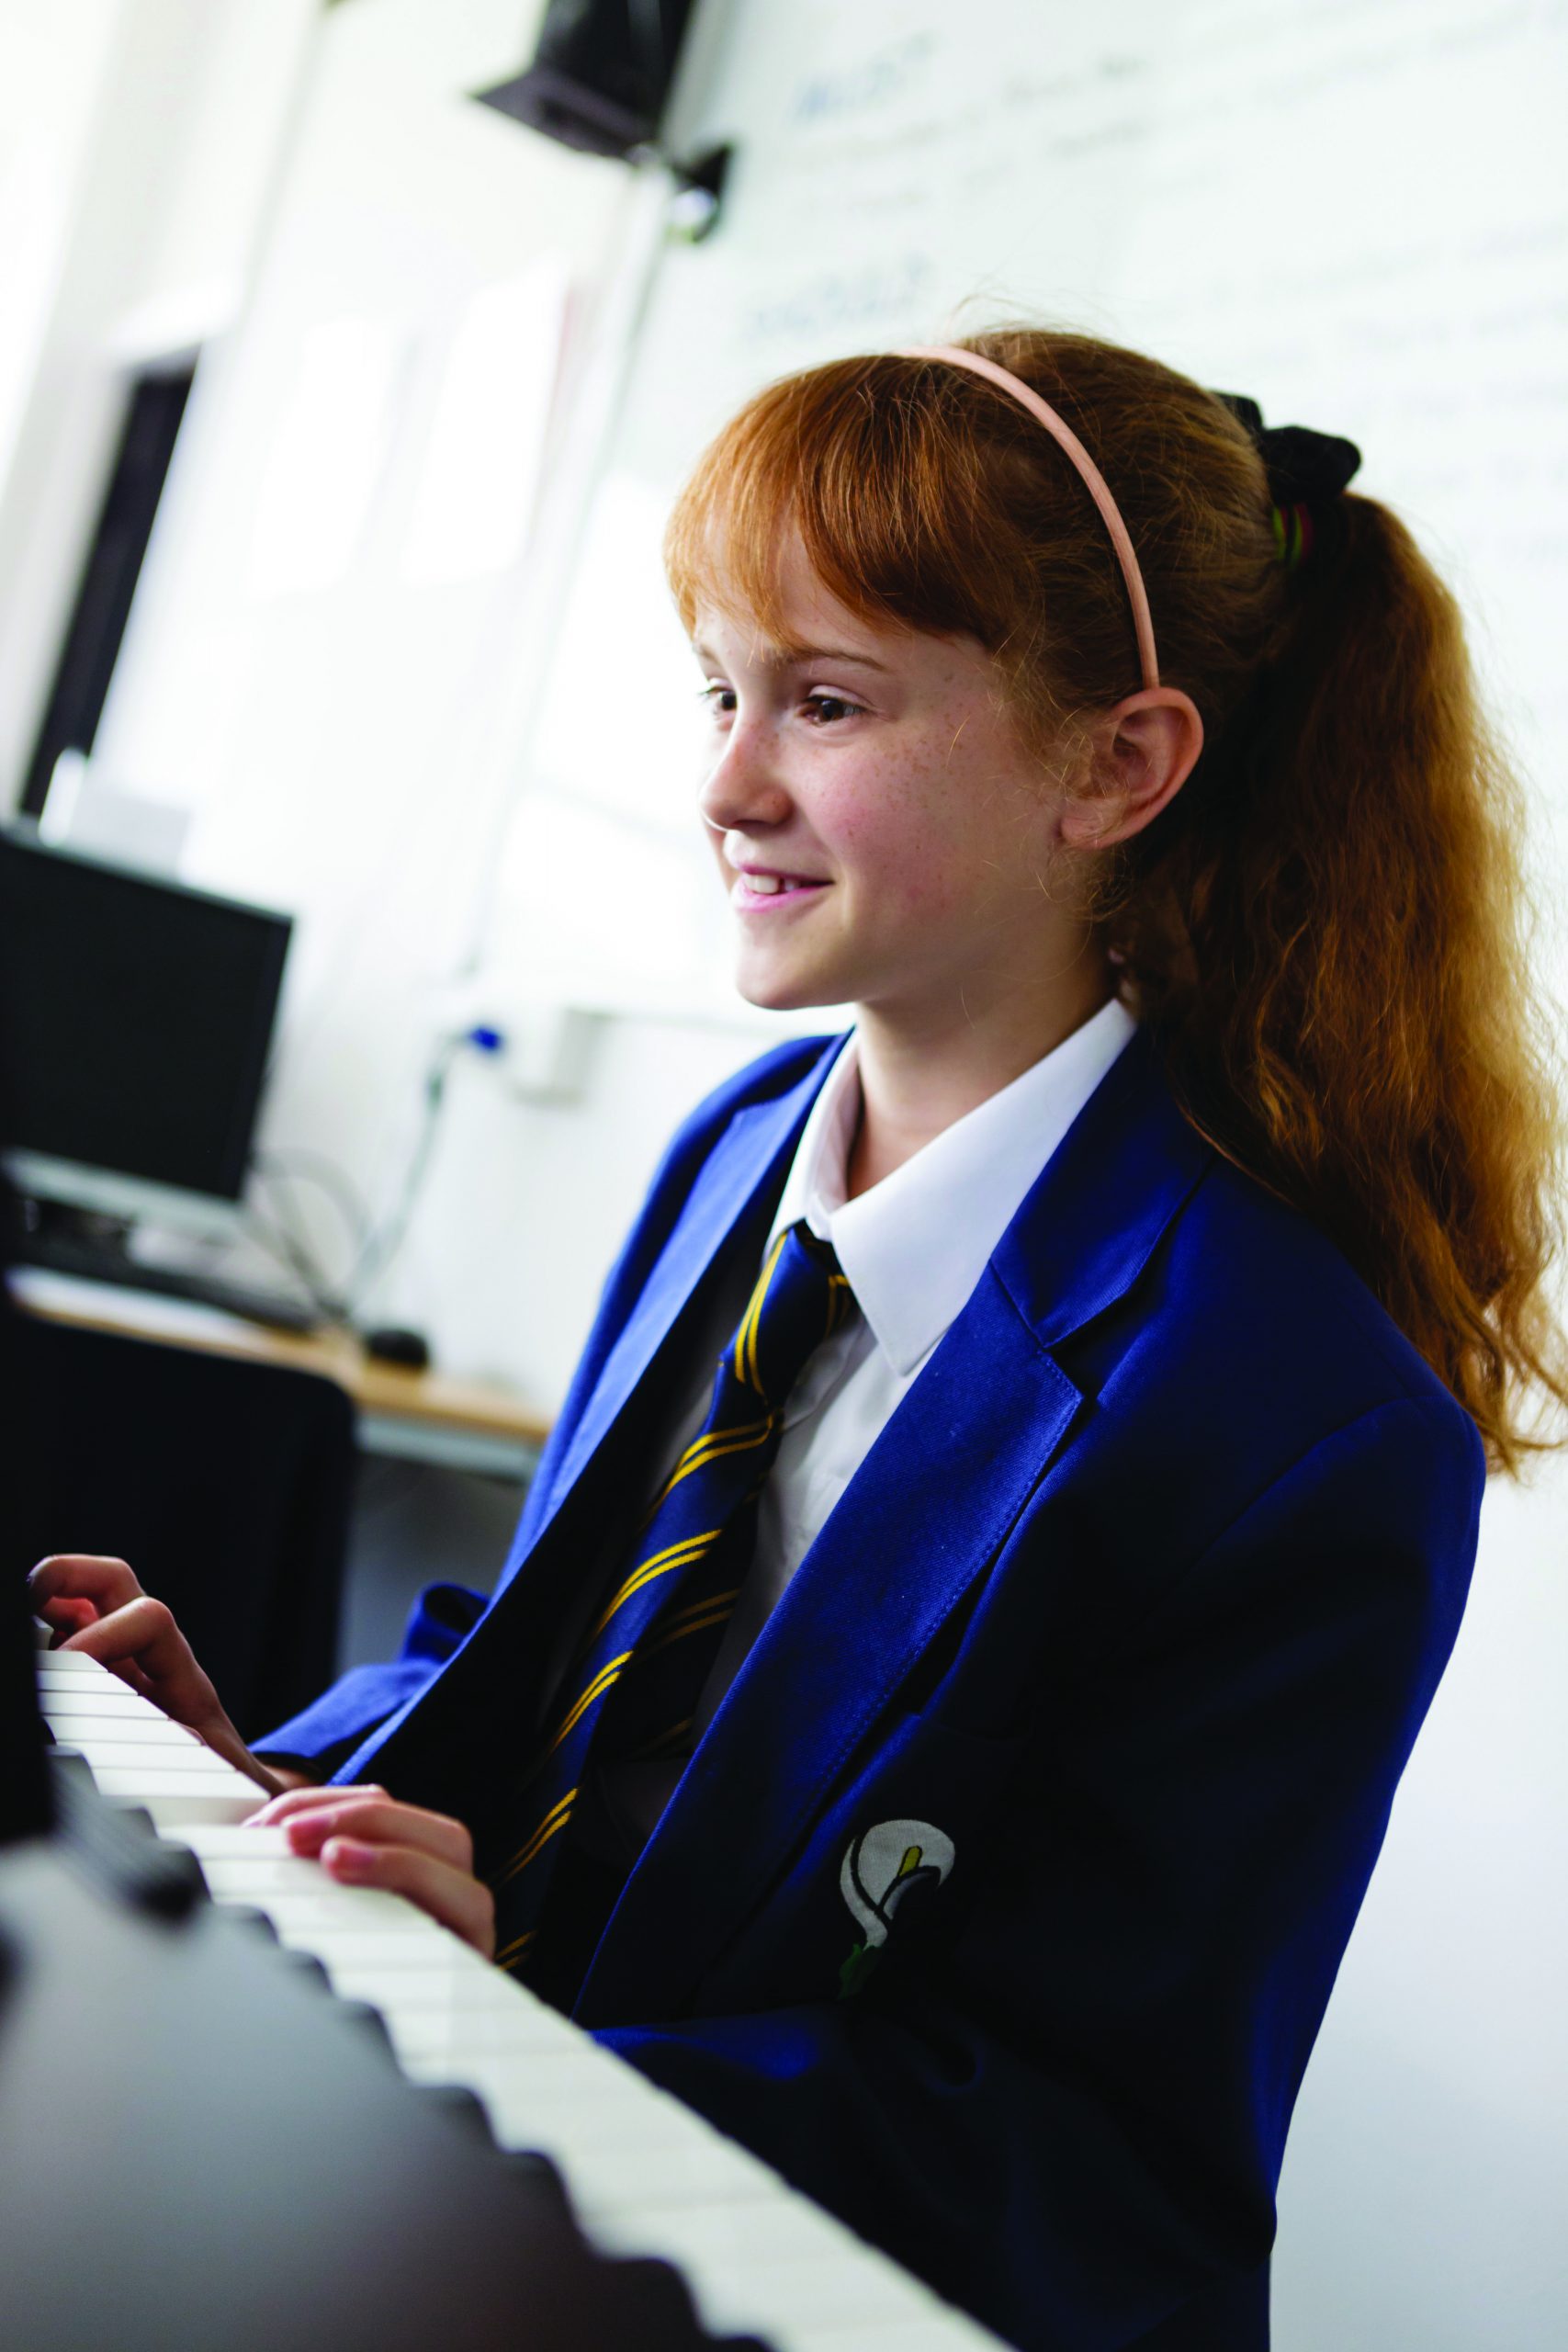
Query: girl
[949, 1743]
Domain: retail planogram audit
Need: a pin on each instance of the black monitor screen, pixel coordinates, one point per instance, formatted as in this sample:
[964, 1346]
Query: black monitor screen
[142, 1015]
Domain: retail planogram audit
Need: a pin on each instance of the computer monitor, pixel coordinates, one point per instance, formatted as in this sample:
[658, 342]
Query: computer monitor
[141, 1019]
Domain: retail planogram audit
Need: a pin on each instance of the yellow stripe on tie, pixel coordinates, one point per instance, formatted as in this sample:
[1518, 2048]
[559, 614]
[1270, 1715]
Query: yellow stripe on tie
[556, 1818]
[662, 1564]
[746, 1338]
[711, 1448]
[713, 1615]
[596, 1689]
[700, 1608]
[510, 1953]
[700, 1446]
[725, 1442]
[667, 1739]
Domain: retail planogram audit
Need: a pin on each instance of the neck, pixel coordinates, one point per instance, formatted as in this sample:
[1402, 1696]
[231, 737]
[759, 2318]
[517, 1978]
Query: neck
[919, 1074]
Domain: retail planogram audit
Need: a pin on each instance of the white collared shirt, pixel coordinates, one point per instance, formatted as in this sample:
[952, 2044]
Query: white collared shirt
[913, 1247]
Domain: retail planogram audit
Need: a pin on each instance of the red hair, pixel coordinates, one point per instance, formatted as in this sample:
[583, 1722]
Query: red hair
[1329, 926]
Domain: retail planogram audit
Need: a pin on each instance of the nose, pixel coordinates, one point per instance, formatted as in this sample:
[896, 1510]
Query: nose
[743, 790]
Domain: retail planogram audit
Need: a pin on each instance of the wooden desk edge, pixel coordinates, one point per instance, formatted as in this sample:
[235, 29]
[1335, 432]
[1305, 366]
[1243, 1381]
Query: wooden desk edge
[427, 1396]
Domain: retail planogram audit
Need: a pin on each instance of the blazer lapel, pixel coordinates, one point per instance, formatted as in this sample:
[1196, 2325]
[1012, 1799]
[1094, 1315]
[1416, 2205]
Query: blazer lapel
[749, 1165]
[927, 1513]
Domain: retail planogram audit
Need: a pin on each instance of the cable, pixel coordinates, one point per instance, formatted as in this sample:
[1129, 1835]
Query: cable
[292, 1162]
[382, 1247]
[280, 1244]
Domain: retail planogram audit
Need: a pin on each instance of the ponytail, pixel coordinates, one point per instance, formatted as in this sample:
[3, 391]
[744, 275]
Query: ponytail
[1334, 947]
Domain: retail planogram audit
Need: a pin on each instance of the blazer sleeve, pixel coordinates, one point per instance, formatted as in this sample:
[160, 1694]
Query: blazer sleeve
[1065, 2102]
[325, 1733]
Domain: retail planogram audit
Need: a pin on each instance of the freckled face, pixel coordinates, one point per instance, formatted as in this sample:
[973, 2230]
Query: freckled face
[880, 826]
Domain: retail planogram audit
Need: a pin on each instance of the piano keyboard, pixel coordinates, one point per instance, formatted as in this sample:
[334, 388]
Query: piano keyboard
[646, 2174]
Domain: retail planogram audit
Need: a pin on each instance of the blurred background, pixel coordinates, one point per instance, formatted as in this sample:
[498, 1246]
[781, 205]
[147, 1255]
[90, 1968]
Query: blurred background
[341, 404]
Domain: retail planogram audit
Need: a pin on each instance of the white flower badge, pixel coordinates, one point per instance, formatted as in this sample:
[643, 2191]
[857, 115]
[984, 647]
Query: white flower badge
[880, 1868]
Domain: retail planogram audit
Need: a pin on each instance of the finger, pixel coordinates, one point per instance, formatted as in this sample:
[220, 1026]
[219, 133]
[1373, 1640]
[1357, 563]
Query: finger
[65, 1616]
[145, 1629]
[296, 1801]
[124, 1670]
[450, 1895]
[380, 1821]
[86, 1576]
[143, 1645]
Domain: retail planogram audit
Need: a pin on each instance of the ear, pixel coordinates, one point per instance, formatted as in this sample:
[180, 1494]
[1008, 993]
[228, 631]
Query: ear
[1144, 751]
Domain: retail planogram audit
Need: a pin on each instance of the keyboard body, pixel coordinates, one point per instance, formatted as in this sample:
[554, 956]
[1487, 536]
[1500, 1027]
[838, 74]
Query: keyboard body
[644, 2177]
[200, 2149]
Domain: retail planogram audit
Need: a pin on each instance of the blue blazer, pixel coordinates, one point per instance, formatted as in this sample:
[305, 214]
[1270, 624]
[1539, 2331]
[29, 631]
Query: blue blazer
[1122, 1633]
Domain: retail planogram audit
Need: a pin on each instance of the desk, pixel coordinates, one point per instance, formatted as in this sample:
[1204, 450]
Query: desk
[415, 1416]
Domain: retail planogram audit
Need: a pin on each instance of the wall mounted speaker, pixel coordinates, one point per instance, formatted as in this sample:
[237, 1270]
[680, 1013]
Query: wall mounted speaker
[601, 75]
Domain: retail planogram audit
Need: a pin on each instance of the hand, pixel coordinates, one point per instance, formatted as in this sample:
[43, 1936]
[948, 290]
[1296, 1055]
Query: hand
[97, 1607]
[362, 1836]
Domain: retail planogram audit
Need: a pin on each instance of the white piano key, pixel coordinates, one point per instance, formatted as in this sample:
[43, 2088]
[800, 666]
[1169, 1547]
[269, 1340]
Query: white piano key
[173, 1798]
[779, 2303]
[71, 1729]
[239, 1842]
[60, 1666]
[615, 2179]
[300, 1918]
[433, 2037]
[107, 1749]
[562, 2071]
[779, 2228]
[256, 1883]
[560, 2068]
[453, 1989]
[523, 2116]
[752, 2294]
[105, 1702]
[82, 1685]
[423, 1945]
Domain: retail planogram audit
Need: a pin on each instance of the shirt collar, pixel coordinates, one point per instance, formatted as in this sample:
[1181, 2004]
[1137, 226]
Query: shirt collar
[915, 1245]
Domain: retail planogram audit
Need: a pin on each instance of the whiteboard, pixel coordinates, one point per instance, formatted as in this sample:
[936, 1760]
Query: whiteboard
[1353, 210]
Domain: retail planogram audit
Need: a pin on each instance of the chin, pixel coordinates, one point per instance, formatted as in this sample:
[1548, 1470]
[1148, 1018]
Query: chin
[777, 992]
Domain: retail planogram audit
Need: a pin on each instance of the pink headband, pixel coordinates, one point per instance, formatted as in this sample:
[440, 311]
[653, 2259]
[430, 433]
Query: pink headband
[1094, 480]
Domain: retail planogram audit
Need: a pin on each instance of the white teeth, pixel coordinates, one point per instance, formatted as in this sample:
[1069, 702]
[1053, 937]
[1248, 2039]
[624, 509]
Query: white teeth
[773, 886]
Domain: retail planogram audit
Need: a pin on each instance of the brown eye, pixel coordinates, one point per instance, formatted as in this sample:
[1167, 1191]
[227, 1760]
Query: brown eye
[829, 708]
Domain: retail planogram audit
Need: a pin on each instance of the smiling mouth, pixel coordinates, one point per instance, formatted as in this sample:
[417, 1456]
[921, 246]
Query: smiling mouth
[773, 886]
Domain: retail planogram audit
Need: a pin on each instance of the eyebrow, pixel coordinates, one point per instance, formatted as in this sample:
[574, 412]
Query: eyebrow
[794, 657]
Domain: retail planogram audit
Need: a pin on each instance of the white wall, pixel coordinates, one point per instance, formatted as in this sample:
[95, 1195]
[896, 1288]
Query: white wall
[1422, 2200]
[137, 141]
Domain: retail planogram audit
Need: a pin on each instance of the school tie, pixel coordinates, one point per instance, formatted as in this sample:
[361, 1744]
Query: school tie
[634, 1686]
